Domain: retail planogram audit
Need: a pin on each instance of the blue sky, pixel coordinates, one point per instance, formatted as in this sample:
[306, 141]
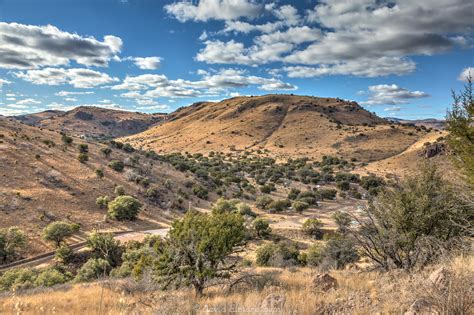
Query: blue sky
[397, 58]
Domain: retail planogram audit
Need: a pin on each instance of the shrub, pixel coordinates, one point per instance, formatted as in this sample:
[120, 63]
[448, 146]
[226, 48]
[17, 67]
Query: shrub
[106, 152]
[83, 157]
[102, 202]
[50, 277]
[119, 190]
[278, 205]
[124, 208]
[57, 231]
[314, 256]
[116, 165]
[83, 148]
[64, 254]
[327, 193]
[208, 238]
[66, 139]
[223, 205]
[343, 185]
[99, 172]
[105, 246]
[244, 209]
[411, 224]
[93, 269]
[12, 240]
[266, 189]
[277, 255]
[261, 227]
[262, 202]
[200, 191]
[371, 181]
[338, 252]
[299, 206]
[293, 194]
[17, 278]
[343, 221]
[152, 193]
[312, 227]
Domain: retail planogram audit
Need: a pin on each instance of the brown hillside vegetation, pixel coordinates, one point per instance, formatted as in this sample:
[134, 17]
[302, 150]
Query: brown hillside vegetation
[41, 180]
[94, 122]
[285, 125]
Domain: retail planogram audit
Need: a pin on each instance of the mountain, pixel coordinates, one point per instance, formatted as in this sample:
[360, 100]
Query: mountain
[41, 180]
[439, 124]
[284, 125]
[93, 122]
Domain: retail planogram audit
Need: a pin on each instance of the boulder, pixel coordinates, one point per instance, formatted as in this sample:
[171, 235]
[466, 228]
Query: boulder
[433, 150]
[324, 282]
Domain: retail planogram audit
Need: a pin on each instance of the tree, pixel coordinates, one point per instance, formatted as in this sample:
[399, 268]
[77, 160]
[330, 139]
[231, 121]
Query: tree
[93, 269]
[411, 224]
[299, 206]
[460, 124]
[105, 246]
[64, 254]
[343, 221]
[124, 208]
[106, 152]
[57, 231]
[338, 252]
[312, 227]
[261, 227]
[12, 239]
[83, 148]
[199, 249]
[116, 165]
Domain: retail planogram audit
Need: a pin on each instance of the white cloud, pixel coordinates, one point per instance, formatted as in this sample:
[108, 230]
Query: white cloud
[67, 93]
[206, 10]
[28, 101]
[147, 63]
[70, 99]
[29, 46]
[355, 37]
[391, 94]
[155, 86]
[77, 77]
[469, 71]
[392, 109]
[3, 81]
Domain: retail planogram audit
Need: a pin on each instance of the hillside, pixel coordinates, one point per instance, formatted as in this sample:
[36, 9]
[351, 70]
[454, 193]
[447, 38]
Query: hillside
[92, 122]
[428, 123]
[285, 125]
[41, 180]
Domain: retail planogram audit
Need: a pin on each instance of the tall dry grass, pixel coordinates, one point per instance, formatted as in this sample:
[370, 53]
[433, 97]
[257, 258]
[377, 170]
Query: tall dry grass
[358, 292]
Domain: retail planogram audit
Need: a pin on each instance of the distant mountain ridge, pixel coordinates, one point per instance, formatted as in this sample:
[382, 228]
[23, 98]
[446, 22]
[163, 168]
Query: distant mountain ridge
[428, 122]
[93, 122]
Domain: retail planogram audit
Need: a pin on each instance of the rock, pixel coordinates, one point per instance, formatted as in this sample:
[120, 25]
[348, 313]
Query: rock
[324, 282]
[440, 278]
[273, 301]
[420, 306]
[433, 150]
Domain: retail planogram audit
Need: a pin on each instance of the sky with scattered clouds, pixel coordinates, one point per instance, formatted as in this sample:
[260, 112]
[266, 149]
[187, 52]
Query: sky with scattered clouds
[397, 58]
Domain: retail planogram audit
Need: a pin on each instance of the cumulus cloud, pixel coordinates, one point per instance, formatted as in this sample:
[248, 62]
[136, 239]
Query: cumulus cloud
[3, 81]
[29, 46]
[355, 37]
[391, 94]
[149, 86]
[147, 63]
[77, 77]
[28, 101]
[67, 93]
[463, 76]
[205, 10]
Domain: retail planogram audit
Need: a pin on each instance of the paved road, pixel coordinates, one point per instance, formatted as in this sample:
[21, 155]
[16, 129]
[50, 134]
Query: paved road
[47, 257]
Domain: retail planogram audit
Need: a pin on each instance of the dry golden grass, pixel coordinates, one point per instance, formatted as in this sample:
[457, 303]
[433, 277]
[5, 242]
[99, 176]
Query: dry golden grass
[358, 292]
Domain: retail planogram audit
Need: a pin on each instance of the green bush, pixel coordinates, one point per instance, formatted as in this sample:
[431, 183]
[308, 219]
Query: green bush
[105, 246]
[64, 254]
[83, 157]
[268, 188]
[327, 193]
[293, 194]
[244, 209]
[99, 172]
[66, 139]
[152, 193]
[200, 191]
[261, 227]
[343, 185]
[116, 165]
[339, 252]
[57, 231]
[312, 227]
[106, 152]
[278, 205]
[102, 202]
[12, 240]
[93, 269]
[17, 278]
[50, 277]
[278, 255]
[119, 190]
[224, 205]
[124, 208]
[343, 221]
[314, 256]
[83, 148]
[299, 206]
[262, 202]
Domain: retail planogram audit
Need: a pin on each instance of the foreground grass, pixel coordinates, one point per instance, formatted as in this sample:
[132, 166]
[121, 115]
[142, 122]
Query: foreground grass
[358, 292]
